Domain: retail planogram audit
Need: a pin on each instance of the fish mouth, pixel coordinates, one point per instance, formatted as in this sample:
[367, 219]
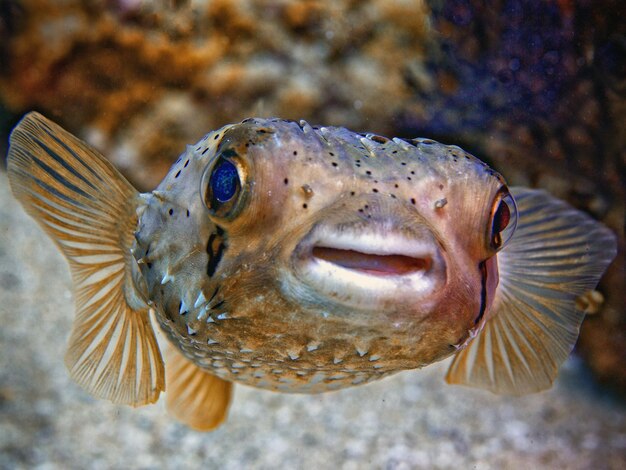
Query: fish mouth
[370, 263]
[368, 267]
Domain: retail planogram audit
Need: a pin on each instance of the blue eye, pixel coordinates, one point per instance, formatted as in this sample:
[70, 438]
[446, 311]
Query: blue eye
[224, 181]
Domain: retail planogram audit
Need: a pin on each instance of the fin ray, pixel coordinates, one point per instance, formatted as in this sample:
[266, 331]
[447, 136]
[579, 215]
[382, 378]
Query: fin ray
[557, 253]
[89, 210]
[194, 396]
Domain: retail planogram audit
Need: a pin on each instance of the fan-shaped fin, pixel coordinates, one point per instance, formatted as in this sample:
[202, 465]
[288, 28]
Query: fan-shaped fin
[87, 207]
[194, 396]
[557, 254]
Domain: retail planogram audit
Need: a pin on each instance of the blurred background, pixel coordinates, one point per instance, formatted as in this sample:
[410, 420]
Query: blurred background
[535, 88]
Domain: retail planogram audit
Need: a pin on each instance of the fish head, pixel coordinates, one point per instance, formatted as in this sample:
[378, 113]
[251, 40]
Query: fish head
[341, 237]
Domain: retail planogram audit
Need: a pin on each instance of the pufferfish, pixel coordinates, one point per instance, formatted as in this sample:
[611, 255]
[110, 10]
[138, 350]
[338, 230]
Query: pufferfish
[305, 259]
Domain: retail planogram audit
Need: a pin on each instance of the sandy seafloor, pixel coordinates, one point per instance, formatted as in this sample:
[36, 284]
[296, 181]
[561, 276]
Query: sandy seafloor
[411, 420]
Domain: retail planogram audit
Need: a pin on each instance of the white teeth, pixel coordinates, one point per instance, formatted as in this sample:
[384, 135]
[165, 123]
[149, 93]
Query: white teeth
[183, 307]
[191, 331]
[222, 316]
[200, 300]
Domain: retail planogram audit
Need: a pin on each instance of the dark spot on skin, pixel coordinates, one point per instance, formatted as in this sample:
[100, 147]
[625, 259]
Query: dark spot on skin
[331, 154]
[361, 211]
[177, 174]
[334, 164]
[403, 163]
[186, 163]
[393, 196]
[380, 139]
[375, 181]
[286, 180]
[368, 173]
[413, 200]
[205, 150]
[295, 152]
[396, 185]
[171, 212]
[395, 151]
[409, 178]
[352, 193]
[215, 249]
[412, 172]
[482, 267]
[366, 206]
[358, 165]
[375, 190]
[441, 186]
[217, 136]
[149, 265]
[198, 149]
[187, 212]
[304, 206]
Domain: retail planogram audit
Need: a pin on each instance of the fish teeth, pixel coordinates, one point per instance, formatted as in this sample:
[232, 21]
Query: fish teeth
[191, 331]
[222, 316]
[183, 308]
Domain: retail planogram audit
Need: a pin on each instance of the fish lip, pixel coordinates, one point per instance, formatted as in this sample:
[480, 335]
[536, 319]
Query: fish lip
[370, 288]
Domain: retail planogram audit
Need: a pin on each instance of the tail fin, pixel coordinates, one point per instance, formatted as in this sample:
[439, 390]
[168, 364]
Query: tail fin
[87, 207]
[556, 255]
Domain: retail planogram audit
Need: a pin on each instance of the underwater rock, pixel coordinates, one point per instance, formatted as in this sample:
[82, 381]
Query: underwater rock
[535, 88]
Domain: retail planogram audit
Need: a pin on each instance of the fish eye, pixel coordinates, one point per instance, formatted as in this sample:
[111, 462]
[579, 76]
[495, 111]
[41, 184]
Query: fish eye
[222, 184]
[224, 181]
[503, 219]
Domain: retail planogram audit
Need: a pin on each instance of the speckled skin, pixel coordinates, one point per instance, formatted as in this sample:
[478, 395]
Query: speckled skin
[229, 293]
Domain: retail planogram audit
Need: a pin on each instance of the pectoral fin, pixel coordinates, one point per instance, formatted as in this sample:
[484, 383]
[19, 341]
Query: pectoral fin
[195, 397]
[557, 254]
[87, 207]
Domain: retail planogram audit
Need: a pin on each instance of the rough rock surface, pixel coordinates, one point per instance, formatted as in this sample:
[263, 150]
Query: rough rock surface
[411, 420]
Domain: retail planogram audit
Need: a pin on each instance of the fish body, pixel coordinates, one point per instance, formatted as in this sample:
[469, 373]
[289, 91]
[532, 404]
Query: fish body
[304, 259]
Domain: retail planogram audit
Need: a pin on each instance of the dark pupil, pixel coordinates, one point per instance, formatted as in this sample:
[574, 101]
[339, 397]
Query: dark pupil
[224, 181]
[502, 217]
